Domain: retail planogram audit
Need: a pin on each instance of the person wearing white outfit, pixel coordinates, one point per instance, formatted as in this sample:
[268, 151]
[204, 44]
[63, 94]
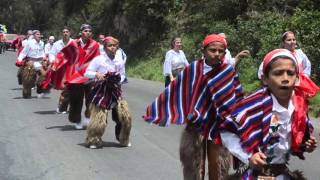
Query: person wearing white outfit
[175, 61]
[57, 47]
[33, 53]
[288, 41]
[108, 73]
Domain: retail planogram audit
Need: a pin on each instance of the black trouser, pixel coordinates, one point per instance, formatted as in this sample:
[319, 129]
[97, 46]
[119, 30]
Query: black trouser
[19, 75]
[64, 100]
[77, 93]
[115, 118]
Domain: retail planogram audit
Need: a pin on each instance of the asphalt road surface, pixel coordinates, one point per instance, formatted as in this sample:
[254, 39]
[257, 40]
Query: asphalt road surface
[36, 143]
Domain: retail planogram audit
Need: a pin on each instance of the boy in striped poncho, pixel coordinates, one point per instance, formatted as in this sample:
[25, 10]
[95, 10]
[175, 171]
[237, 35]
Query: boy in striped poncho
[264, 128]
[199, 97]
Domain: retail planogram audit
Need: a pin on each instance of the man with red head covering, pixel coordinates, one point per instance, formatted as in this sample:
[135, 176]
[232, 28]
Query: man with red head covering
[201, 95]
[68, 70]
[272, 123]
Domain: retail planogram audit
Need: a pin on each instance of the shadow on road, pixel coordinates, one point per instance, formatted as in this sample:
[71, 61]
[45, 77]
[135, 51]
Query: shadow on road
[32, 97]
[105, 144]
[46, 112]
[64, 128]
[16, 89]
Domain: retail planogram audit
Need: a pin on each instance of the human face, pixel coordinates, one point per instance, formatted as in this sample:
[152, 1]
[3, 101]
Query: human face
[51, 41]
[86, 34]
[101, 38]
[29, 34]
[281, 80]
[214, 53]
[37, 36]
[290, 42]
[66, 34]
[177, 44]
[111, 48]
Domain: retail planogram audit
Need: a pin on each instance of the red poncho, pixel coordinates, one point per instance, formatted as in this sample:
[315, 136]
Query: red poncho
[71, 63]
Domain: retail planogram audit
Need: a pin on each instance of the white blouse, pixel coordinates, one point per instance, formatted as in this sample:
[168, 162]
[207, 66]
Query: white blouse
[174, 60]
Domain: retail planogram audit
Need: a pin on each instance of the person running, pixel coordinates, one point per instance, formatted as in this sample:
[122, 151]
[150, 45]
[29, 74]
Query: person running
[57, 47]
[33, 54]
[68, 71]
[106, 95]
[175, 61]
[289, 42]
[200, 97]
[266, 127]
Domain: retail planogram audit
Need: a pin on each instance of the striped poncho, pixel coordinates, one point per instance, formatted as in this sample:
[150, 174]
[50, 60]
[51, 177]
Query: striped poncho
[105, 93]
[250, 120]
[201, 100]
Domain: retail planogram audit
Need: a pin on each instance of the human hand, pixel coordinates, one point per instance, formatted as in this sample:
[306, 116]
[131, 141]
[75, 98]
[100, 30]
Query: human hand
[242, 54]
[257, 160]
[311, 144]
[100, 76]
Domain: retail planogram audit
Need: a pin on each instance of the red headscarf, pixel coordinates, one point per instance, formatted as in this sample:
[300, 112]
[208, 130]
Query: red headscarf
[109, 39]
[214, 38]
[275, 53]
[303, 92]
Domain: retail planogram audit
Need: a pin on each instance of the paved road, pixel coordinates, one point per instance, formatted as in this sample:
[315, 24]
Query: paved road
[36, 143]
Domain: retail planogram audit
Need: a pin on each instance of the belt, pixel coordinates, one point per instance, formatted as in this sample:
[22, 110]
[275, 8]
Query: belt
[34, 59]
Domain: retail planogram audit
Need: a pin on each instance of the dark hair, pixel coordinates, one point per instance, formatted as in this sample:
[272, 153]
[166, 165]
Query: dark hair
[268, 67]
[66, 27]
[173, 40]
[284, 37]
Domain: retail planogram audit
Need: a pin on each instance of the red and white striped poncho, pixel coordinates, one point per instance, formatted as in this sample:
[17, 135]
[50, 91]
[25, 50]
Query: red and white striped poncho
[197, 99]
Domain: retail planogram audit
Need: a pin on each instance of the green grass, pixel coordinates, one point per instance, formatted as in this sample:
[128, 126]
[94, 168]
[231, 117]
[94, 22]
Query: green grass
[149, 69]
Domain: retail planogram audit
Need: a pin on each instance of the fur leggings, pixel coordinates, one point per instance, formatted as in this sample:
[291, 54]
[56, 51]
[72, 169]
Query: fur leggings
[29, 77]
[193, 150]
[98, 123]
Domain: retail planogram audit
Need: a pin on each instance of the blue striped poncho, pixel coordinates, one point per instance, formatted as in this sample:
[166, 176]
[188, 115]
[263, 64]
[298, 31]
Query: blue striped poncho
[197, 99]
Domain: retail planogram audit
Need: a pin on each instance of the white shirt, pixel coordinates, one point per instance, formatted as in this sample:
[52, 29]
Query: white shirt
[120, 56]
[103, 64]
[24, 42]
[33, 49]
[281, 121]
[302, 59]
[57, 47]
[174, 60]
[280, 149]
[229, 59]
[47, 49]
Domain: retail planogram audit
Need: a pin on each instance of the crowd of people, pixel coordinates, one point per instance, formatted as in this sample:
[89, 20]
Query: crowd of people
[257, 132]
[85, 71]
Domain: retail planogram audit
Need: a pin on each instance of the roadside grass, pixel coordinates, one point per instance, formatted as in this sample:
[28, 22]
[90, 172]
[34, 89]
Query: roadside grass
[146, 68]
